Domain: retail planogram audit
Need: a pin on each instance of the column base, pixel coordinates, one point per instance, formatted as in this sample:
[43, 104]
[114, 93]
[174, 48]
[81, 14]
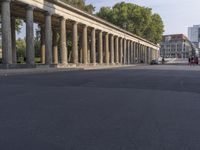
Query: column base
[25, 66]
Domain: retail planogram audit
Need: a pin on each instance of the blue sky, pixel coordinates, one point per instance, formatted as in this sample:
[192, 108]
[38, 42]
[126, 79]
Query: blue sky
[176, 14]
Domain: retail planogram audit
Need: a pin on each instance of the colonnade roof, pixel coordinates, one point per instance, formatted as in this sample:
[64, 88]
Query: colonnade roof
[62, 9]
[91, 16]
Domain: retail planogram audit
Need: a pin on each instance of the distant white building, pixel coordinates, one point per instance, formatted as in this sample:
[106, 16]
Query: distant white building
[194, 33]
[194, 36]
[175, 46]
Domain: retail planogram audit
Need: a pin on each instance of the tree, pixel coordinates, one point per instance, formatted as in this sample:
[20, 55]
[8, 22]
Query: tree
[21, 48]
[135, 19]
[157, 28]
[81, 5]
[18, 25]
[106, 14]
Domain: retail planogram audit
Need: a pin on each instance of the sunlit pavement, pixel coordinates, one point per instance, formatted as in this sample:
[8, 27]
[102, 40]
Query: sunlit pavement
[138, 108]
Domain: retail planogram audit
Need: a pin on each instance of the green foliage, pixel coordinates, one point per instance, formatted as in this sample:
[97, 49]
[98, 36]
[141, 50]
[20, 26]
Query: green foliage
[135, 19]
[21, 48]
[89, 8]
[37, 43]
[106, 14]
[81, 5]
[18, 25]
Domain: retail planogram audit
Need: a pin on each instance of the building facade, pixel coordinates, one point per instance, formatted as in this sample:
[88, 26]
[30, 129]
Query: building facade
[175, 46]
[194, 33]
[194, 37]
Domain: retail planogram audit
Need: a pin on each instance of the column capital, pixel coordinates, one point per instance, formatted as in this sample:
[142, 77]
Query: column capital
[30, 7]
[98, 30]
[75, 22]
[62, 18]
[48, 13]
[104, 32]
[85, 26]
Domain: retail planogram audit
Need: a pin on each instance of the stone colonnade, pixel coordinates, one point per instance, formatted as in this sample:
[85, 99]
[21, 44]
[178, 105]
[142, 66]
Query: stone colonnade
[105, 48]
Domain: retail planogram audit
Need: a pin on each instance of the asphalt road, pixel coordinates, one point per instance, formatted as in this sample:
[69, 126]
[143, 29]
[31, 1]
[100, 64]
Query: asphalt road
[124, 109]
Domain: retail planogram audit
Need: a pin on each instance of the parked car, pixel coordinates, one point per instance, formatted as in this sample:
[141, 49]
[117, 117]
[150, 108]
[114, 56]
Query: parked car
[154, 62]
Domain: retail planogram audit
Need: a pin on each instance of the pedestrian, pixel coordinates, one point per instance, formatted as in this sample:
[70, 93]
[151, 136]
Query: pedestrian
[189, 61]
[192, 61]
[163, 60]
[196, 61]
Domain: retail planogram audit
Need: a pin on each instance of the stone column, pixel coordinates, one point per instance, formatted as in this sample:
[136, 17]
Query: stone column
[154, 54]
[48, 39]
[13, 29]
[156, 51]
[93, 46]
[142, 53]
[75, 43]
[42, 46]
[128, 52]
[143, 48]
[139, 53]
[112, 49]
[136, 52]
[132, 54]
[116, 50]
[130, 57]
[55, 47]
[6, 32]
[85, 45]
[30, 51]
[151, 54]
[107, 48]
[125, 51]
[63, 41]
[80, 49]
[146, 59]
[100, 48]
[121, 51]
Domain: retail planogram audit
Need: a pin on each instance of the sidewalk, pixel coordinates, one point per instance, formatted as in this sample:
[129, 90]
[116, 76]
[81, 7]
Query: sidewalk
[8, 72]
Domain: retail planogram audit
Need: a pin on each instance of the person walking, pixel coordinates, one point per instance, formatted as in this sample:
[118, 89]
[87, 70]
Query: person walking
[163, 60]
[193, 61]
[196, 61]
[189, 61]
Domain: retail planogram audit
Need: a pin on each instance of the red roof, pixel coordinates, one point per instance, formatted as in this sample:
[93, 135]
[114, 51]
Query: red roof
[175, 37]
